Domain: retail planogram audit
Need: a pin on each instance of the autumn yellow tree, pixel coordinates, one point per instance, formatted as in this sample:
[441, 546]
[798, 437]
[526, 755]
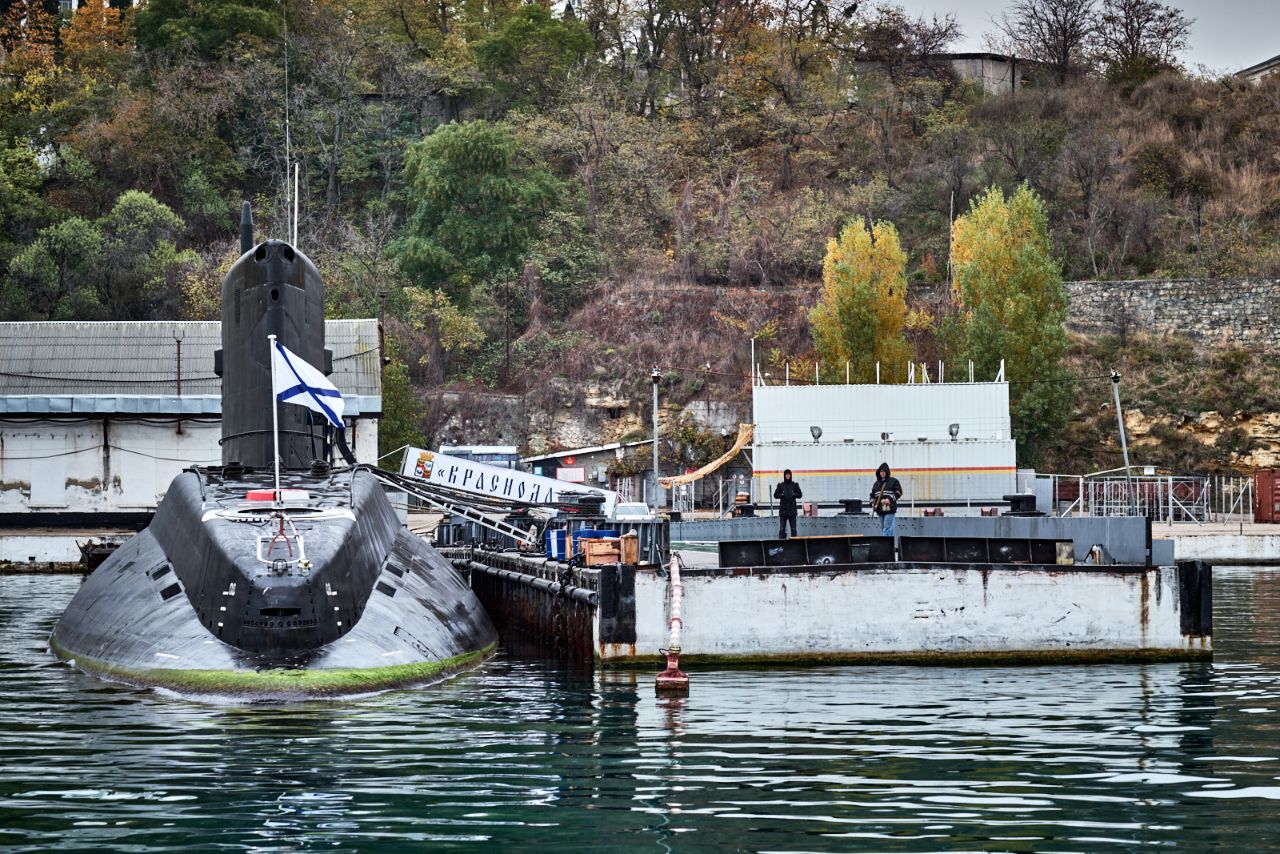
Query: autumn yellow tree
[1008, 286]
[860, 315]
[96, 39]
[28, 37]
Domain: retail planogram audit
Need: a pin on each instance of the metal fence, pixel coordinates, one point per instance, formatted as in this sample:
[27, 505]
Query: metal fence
[1160, 498]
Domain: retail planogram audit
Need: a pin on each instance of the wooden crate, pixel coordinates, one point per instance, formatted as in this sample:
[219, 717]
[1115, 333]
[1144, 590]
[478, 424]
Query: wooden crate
[630, 548]
[598, 552]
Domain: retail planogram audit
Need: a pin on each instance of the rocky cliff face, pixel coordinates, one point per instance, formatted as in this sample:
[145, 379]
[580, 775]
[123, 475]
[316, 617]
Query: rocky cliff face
[1244, 441]
[541, 423]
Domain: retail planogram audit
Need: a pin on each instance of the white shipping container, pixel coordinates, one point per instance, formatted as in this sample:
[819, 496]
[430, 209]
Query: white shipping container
[907, 426]
[975, 472]
[864, 413]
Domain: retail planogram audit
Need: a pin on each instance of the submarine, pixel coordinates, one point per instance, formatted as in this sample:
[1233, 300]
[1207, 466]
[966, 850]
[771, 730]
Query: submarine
[274, 577]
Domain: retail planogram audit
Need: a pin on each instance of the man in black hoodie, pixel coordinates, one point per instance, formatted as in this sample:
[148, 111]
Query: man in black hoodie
[787, 492]
[884, 498]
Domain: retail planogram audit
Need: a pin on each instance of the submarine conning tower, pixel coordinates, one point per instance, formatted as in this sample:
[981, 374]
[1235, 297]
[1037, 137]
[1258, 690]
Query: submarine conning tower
[273, 289]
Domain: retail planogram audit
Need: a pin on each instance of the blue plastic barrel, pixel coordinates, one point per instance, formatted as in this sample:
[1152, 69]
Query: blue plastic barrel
[555, 544]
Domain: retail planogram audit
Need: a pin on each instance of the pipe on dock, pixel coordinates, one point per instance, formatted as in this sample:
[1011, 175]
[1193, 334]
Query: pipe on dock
[673, 680]
[578, 594]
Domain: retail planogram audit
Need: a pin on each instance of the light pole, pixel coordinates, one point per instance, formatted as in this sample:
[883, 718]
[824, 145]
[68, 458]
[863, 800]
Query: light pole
[1124, 444]
[656, 376]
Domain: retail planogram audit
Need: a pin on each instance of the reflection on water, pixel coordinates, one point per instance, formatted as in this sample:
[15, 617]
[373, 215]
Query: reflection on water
[525, 755]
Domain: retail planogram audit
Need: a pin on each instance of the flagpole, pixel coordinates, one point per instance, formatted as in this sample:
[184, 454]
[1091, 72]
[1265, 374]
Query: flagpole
[275, 412]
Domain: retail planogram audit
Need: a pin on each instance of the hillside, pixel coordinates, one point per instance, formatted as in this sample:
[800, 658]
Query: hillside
[1190, 407]
[546, 201]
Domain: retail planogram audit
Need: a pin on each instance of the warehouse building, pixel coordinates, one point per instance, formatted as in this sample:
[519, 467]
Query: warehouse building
[96, 418]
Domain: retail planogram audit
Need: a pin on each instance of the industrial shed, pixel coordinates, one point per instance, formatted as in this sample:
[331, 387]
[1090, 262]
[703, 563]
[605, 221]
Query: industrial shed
[950, 444]
[98, 417]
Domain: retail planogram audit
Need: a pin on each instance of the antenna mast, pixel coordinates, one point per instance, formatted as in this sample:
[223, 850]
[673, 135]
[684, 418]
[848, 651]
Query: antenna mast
[289, 201]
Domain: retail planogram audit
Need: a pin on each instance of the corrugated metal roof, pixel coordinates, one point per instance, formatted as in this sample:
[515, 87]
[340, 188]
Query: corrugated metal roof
[356, 405]
[134, 404]
[80, 358]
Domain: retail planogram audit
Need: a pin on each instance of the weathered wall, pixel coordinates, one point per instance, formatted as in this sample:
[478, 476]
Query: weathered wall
[108, 465]
[942, 611]
[75, 466]
[1218, 311]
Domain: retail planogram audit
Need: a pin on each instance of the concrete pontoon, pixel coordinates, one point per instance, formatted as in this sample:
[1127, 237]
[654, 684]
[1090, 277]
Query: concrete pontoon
[949, 591]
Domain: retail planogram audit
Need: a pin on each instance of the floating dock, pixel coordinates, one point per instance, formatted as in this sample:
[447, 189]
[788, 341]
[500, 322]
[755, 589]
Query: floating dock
[950, 591]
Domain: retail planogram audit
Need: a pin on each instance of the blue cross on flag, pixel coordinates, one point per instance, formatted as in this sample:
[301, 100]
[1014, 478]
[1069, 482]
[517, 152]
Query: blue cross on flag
[294, 381]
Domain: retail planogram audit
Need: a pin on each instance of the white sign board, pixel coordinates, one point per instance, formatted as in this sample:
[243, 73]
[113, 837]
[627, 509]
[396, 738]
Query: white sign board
[481, 479]
[573, 474]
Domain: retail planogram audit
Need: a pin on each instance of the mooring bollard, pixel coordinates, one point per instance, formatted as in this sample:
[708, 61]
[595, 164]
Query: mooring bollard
[673, 680]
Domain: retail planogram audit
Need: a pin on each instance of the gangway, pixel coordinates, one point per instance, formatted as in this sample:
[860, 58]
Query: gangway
[467, 505]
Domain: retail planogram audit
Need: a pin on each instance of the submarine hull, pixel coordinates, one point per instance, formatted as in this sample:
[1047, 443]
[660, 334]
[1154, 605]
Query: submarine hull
[246, 586]
[224, 595]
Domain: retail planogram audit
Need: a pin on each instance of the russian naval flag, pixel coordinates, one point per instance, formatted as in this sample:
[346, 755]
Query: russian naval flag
[294, 381]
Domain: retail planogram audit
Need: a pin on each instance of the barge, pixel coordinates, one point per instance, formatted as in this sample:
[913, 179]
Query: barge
[947, 591]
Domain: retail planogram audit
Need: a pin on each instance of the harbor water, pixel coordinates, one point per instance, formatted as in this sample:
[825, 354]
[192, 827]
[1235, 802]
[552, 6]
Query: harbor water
[528, 755]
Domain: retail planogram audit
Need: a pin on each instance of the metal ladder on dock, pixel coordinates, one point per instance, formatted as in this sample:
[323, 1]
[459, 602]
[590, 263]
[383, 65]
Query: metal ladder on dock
[448, 502]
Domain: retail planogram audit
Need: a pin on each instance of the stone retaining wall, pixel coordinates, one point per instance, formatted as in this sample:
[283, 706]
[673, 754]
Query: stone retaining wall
[1243, 312]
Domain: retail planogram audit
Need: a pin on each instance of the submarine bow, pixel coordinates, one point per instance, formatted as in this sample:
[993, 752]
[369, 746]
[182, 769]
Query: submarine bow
[237, 589]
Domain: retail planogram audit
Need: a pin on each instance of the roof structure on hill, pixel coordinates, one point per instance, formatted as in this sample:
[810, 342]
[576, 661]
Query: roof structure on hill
[1255, 73]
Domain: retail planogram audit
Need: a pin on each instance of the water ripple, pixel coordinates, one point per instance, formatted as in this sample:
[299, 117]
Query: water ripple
[523, 755]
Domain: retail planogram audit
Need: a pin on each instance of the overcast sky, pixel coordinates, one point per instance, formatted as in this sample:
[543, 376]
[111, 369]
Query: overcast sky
[1227, 34]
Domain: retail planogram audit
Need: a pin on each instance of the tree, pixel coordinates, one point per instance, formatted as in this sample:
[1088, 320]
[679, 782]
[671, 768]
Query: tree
[122, 266]
[1140, 38]
[331, 61]
[96, 40]
[906, 47]
[567, 262]
[1009, 288]
[1055, 32]
[905, 50]
[401, 422]
[656, 22]
[452, 335]
[859, 317]
[140, 277]
[533, 53]
[20, 200]
[475, 202]
[54, 277]
[28, 37]
[210, 25]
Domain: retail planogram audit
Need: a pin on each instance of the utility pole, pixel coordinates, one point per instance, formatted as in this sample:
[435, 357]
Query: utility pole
[656, 376]
[706, 392]
[1124, 443]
